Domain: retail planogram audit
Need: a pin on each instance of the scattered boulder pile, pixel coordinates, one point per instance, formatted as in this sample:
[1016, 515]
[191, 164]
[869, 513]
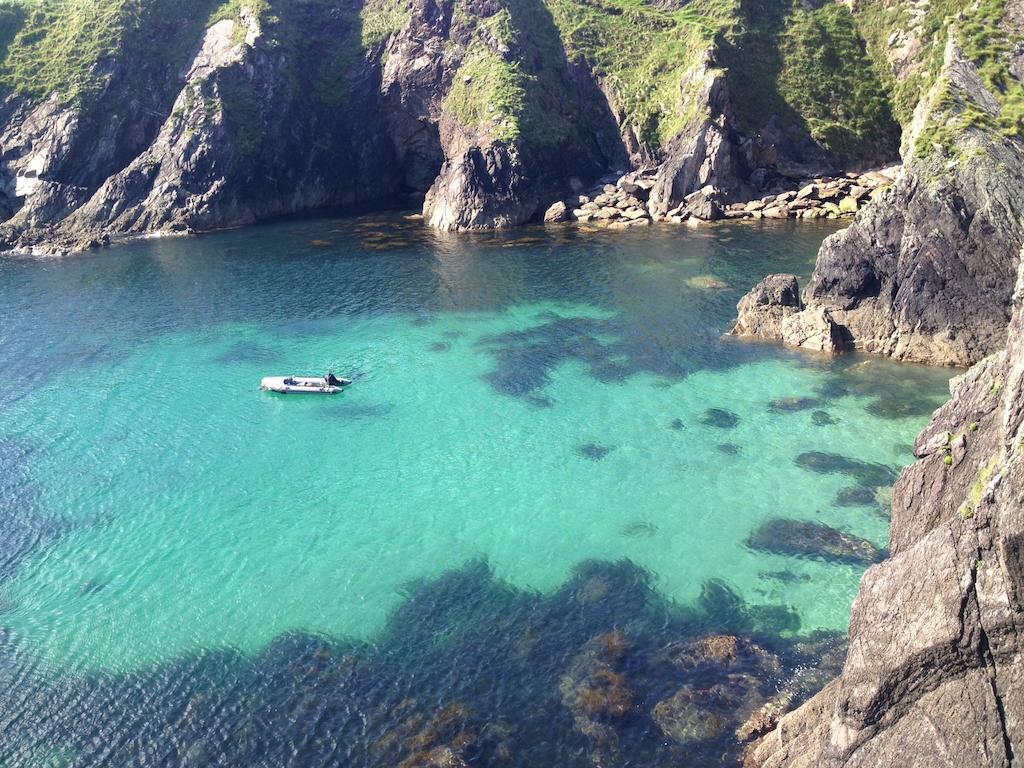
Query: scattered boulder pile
[624, 202]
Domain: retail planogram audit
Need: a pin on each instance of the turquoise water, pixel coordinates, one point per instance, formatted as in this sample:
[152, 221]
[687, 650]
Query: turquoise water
[523, 403]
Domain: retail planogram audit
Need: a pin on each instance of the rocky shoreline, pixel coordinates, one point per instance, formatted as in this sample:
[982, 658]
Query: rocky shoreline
[626, 201]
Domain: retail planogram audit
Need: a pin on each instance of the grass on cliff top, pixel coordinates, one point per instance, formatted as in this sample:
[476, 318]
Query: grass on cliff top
[68, 47]
[987, 40]
[511, 81]
[644, 53]
[810, 70]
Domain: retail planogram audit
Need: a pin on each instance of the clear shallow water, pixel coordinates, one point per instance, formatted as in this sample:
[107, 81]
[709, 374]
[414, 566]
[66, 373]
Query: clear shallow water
[523, 403]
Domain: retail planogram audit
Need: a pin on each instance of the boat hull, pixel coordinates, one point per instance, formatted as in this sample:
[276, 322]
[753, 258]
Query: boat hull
[300, 385]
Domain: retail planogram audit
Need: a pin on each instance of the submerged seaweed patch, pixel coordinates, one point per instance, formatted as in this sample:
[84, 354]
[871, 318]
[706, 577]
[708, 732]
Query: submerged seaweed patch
[823, 419]
[868, 474]
[811, 539]
[639, 529]
[859, 496]
[467, 666]
[720, 418]
[593, 451]
[793, 404]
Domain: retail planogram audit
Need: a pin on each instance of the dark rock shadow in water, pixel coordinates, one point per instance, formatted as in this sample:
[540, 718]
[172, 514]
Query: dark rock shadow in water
[720, 418]
[793, 404]
[594, 451]
[612, 350]
[858, 496]
[467, 668]
[815, 540]
[867, 474]
[823, 419]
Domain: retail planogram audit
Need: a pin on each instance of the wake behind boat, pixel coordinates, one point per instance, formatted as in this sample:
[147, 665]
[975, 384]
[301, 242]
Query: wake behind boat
[304, 385]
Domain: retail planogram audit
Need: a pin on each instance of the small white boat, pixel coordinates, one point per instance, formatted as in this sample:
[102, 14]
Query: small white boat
[304, 385]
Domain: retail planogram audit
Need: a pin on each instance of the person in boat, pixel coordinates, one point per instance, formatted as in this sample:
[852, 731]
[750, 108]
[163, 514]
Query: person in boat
[332, 380]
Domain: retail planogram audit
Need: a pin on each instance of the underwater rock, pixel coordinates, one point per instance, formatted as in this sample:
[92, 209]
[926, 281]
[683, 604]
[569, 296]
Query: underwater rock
[719, 417]
[440, 346]
[695, 714]
[593, 451]
[444, 740]
[823, 419]
[858, 496]
[808, 539]
[677, 424]
[792, 404]
[713, 654]
[707, 282]
[866, 473]
[901, 406]
[639, 529]
[729, 449]
[596, 692]
[786, 577]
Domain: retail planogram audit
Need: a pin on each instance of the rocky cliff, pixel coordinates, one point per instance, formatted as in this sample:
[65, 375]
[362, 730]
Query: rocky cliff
[935, 665]
[931, 271]
[155, 116]
[926, 272]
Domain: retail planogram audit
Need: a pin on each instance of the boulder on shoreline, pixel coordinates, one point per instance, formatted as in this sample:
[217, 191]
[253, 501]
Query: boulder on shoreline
[763, 309]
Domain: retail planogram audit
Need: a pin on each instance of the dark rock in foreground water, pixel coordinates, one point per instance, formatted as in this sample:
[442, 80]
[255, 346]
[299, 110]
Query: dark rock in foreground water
[593, 451]
[697, 714]
[807, 539]
[793, 404]
[823, 419]
[639, 529]
[729, 449]
[856, 497]
[719, 417]
[866, 473]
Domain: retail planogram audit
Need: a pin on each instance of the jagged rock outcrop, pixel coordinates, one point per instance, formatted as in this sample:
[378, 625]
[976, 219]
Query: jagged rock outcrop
[702, 156]
[763, 309]
[934, 671]
[487, 111]
[926, 271]
[773, 309]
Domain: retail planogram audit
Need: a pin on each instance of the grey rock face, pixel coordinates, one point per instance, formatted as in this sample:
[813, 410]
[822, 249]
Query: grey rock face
[483, 189]
[773, 310]
[701, 156]
[763, 309]
[815, 330]
[934, 671]
[926, 271]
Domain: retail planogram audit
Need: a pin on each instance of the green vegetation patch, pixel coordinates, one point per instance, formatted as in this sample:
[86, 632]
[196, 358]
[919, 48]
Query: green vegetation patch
[809, 69]
[68, 47]
[973, 503]
[489, 91]
[644, 53]
[987, 41]
[512, 78]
